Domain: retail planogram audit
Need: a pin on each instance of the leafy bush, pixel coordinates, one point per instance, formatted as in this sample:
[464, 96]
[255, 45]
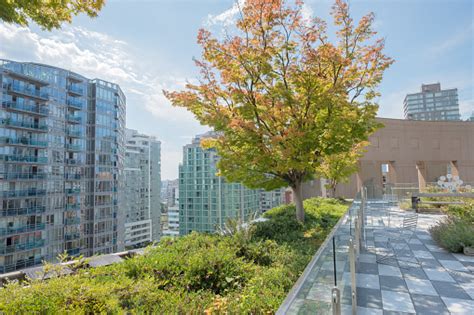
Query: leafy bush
[239, 273]
[454, 234]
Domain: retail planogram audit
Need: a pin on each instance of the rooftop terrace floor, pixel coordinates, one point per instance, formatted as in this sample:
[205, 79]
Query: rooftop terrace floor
[432, 281]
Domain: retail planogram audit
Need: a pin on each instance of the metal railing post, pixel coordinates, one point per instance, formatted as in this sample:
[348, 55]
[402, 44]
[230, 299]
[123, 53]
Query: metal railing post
[336, 301]
[352, 265]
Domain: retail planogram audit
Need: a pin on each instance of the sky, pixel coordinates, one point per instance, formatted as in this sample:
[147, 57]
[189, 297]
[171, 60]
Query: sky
[148, 45]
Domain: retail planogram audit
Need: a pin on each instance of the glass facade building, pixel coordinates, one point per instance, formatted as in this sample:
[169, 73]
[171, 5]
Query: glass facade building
[142, 206]
[61, 155]
[206, 200]
[432, 103]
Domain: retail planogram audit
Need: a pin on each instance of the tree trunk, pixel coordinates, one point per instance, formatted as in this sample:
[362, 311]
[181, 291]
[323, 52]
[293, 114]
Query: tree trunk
[333, 188]
[298, 199]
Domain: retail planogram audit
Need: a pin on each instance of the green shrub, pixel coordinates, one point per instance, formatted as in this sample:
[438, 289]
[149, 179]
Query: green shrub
[249, 271]
[454, 234]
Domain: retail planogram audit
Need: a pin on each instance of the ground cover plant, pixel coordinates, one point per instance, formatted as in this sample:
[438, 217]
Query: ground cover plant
[247, 272]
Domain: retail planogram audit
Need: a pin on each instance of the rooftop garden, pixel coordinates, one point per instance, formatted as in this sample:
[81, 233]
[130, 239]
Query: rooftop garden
[248, 271]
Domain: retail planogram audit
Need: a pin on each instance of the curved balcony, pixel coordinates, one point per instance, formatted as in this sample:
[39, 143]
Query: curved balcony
[75, 103]
[20, 264]
[23, 193]
[23, 176]
[16, 124]
[23, 159]
[6, 249]
[75, 90]
[74, 119]
[22, 229]
[23, 141]
[24, 108]
[22, 211]
[17, 89]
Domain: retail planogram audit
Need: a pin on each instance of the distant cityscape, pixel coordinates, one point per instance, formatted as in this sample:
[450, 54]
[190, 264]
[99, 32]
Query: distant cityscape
[74, 178]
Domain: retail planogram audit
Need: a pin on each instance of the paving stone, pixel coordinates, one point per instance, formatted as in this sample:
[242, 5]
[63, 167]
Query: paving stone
[425, 304]
[468, 287]
[458, 306]
[438, 274]
[463, 257]
[461, 277]
[391, 283]
[369, 298]
[429, 263]
[443, 256]
[423, 254]
[367, 268]
[413, 273]
[453, 265]
[435, 248]
[449, 289]
[417, 247]
[386, 270]
[368, 258]
[396, 313]
[367, 281]
[418, 286]
[397, 301]
[469, 266]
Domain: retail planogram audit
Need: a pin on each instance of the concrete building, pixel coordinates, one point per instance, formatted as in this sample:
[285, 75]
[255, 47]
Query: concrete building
[142, 183]
[206, 200]
[172, 216]
[61, 162]
[170, 192]
[432, 103]
[408, 153]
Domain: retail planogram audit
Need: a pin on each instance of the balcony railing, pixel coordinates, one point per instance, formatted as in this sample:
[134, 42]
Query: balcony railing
[72, 176]
[71, 236]
[73, 206]
[24, 124]
[22, 229]
[75, 103]
[22, 211]
[23, 176]
[75, 89]
[20, 264]
[72, 221]
[6, 249]
[34, 109]
[74, 119]
[73, 252]
[74, 133]
[332, 268]
[23, 159]
[73, 147]
[71, 191]
[27, 91]
[23, 193]
[23, 142]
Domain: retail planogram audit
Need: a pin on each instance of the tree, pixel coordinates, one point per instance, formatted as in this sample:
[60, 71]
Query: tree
[48, 14]
[338, 167]
[282, 96]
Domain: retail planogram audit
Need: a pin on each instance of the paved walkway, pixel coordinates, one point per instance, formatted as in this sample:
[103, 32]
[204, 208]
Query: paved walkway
[429, 280]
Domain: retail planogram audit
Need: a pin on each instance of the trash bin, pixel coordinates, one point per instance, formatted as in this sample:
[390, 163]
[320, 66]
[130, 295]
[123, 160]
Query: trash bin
[414, 203]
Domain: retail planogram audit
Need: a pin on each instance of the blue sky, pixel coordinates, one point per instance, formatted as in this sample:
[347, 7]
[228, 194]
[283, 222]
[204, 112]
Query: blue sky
[148, 45]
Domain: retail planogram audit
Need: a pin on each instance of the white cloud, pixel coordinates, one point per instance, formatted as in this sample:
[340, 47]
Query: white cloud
[466, 34]
[227, 17]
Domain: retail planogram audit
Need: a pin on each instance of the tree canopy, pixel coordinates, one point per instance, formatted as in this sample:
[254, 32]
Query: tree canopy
[48, 14]
[283, 94]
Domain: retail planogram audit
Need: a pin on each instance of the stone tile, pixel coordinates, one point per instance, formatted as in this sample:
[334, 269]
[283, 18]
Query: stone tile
[425, 304]
[468, 287]
[390, 283]
[448, 289]
[369, 298]
[443, 256]
[347, 310]
[435, 248]
[367, 281]
[463, 257]
[417, 247]
[429, 263]
[462, 277]
[453, 265]
[469, 266]
[320, 292]
[367, 258]
[396, 313]
[367, 268]
[386, 270]
[413, 273]
[418, 286]
[458, 306]
[415, 241]
[423, 254]
[438, 274]
[397, 301]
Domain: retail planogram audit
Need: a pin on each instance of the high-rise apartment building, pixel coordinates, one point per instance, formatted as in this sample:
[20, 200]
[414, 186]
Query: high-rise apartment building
[61, 160]
[141, 204]
[271, 199]
[432, 103]
[206, 200]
